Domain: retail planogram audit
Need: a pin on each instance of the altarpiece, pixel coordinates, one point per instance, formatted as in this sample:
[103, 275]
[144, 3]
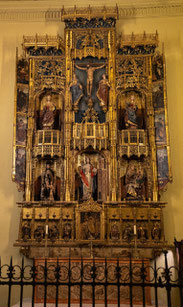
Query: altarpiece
[91, 143]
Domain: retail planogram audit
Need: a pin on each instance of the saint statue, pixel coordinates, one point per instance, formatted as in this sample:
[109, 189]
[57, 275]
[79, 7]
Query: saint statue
[90, 71]
[67, 231]
[48, 113]
[128, 233]
[115, 234]
[103, 92]
[135, 182]
[156, 232]
[76, 90]
[131, 114]
[88, 177]
[48, 183]
[131, 182]
[142, 232]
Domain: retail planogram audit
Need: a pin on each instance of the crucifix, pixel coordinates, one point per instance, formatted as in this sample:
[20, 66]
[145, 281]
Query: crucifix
[90, 71]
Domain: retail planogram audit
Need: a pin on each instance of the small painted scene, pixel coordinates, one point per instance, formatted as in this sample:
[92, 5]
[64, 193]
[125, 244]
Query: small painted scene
[20, 164]
[163, 169]
[157, 68]
[22, 98]
[160, 128]
[23, 72]
[21, 130]
[158, 96]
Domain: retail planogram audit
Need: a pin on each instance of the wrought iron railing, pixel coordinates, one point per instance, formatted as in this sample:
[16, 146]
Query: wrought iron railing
[94, 273]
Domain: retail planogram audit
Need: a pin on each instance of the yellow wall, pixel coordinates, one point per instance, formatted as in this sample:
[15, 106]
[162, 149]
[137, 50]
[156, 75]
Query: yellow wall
[170, 32]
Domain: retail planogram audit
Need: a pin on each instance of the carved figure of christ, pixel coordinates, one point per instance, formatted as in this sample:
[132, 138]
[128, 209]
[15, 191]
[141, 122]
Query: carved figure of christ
[90, 70]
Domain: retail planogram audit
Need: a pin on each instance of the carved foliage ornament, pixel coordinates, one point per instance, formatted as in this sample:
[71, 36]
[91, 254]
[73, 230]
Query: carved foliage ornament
[85, 23]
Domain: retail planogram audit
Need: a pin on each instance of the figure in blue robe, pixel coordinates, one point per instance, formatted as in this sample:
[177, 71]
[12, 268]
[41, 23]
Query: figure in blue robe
[76, 90]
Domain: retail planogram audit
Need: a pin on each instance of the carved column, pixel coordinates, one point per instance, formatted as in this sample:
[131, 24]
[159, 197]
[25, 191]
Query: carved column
[30, 129]
[151, 128]
[68, 116]
[112, 112]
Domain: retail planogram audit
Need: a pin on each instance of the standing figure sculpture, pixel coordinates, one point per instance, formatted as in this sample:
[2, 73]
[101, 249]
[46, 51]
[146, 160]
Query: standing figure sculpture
[131, 114]
[88, 178]
[114, 234]
[156, 232]
[103, 92]
[131, 182]
[142, 232]
[48, 113]
[128, 233]
[135, 182]
[76, 90]
[90, 71]
[48, 183]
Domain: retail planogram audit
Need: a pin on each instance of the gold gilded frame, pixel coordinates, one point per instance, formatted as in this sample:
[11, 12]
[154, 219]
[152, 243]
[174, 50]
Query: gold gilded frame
[90, 207]
[114, 208]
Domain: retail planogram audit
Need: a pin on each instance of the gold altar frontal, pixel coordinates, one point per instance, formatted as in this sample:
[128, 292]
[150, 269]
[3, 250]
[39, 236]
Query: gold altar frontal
[91, 141]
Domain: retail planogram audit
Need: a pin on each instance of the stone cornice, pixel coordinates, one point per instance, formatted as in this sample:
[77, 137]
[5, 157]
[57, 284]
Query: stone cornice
[151, 11]
[36, 11]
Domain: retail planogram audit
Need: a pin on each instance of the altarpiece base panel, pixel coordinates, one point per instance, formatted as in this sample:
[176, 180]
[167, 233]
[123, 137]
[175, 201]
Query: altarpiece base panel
[100, 229]
[75, 266]
[91, 141]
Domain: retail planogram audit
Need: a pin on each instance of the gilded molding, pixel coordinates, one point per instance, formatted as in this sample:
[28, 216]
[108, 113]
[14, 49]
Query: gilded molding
[11, 14]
